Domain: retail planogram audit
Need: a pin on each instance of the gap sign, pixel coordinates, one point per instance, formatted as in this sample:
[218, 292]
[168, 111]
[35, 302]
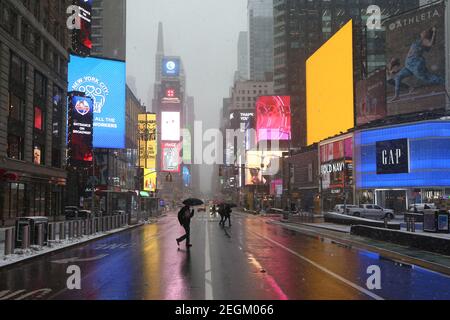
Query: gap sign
[392, 156]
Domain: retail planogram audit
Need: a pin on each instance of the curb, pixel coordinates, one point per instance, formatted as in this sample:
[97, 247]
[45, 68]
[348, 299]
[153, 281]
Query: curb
[388, 254]
[71, 246]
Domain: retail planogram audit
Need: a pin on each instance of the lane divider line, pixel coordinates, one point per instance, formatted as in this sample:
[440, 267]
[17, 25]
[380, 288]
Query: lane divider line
[208, 273]
[323, 269]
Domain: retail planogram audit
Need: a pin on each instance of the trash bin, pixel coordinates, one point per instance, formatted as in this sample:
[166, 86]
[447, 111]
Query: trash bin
[436, 221]
[33, 223]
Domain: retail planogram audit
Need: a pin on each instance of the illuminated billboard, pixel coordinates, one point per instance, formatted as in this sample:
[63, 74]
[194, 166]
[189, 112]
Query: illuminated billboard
[147, 140]
[403, 156]
[186, 176]
[81, 33]
[170, 91]
[261, 163]
[415, 59]
[149, 180]
[80, 130]
[104, 81]
[273, 118]
[171, 159]
[187, 147]
[170, 122]
[329, 87]
[171, 67]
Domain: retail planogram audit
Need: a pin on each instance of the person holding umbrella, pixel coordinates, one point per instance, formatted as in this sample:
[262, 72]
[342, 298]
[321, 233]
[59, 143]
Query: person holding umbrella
[184, 217]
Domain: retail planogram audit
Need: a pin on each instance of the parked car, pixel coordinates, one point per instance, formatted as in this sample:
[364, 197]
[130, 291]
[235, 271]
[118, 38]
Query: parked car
[420, 207]
[84, 214]
[340, 208]
[71, 212]
[371, 211]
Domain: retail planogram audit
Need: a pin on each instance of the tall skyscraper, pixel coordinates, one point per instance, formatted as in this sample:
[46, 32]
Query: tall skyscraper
[302, 27]
[109, 29]
[260, 26]
[242, 57]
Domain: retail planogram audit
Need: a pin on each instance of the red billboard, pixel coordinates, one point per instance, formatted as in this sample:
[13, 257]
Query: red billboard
[273, 118]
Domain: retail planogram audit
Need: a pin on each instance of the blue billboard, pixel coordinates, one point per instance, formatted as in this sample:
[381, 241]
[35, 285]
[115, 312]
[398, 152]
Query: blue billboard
[104, 81]
[427, 154]
[171, 67]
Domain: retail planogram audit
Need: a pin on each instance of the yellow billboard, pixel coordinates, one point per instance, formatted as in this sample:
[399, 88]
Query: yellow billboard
[147, 140]
[329, 87]
[149, 180]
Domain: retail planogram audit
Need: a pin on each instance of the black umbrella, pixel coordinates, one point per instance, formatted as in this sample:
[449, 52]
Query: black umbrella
[193, 202]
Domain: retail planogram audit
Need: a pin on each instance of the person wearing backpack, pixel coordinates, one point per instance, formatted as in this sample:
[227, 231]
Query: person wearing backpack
[184, 217]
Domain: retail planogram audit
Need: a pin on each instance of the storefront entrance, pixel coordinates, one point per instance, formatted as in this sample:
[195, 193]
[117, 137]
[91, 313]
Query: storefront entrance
[392, 199]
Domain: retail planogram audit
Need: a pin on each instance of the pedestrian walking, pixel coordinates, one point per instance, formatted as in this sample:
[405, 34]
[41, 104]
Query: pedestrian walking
[227, 215]
[222, 214]
[184, 217]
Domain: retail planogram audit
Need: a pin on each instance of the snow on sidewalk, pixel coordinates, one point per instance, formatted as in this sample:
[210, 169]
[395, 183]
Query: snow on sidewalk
[34, 251]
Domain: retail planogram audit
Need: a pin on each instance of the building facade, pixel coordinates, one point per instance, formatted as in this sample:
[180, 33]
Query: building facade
[109, 29]
[33, 87]
[242, 72]
[302, 27]
[260, 33]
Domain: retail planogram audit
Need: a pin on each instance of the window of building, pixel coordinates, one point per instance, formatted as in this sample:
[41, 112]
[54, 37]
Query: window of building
[14, 201]
[38, 118]
[17, 70]
[38, 154]
[15, 147]
[16, 108]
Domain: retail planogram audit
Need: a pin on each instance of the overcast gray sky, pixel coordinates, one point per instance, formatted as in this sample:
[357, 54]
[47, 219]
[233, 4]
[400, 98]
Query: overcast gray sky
[203, 32]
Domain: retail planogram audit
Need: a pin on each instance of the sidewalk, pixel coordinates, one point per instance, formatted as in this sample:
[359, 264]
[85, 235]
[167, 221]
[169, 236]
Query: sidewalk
[57, 245]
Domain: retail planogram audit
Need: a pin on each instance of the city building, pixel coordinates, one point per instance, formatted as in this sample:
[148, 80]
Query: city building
[400, 165]
[301, 27]
[109, 29]
[242, 72]
[33, 87]
[260, 39]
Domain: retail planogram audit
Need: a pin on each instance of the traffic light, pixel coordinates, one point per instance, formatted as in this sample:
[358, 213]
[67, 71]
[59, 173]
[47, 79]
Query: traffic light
[220, 171]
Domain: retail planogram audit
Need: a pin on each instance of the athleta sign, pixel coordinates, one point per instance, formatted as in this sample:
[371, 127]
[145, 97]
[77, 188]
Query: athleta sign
[393, 157]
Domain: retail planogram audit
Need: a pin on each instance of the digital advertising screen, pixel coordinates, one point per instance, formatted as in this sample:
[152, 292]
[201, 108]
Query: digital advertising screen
[104, 81]
[150, 177]
[171, 92]
[258, 164]
[186, 176]
[170, 122]
[403, 156]
[273, 118]
[171, 159]
[171, 67]
[415, 60]
[147, 140]
[80, 131]
[329, 87]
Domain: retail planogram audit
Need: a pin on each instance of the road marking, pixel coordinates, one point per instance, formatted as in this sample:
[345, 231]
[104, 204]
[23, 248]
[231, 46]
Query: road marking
[318, 266]
[208, 275]
[76, 259]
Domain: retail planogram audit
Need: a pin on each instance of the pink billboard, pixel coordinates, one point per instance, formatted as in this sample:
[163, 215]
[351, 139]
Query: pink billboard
[273, 118]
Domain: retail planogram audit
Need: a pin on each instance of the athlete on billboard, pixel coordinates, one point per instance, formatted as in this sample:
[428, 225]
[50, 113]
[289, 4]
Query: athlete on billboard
[416, 64]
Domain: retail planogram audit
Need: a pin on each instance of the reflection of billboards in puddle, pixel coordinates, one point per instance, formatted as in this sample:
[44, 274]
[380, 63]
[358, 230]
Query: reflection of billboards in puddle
[415, 53]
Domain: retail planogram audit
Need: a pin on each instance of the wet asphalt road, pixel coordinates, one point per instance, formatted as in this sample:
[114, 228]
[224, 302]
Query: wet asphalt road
[251, 260]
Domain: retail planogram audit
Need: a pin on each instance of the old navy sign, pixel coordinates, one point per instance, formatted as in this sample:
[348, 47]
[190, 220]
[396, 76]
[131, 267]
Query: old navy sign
[333, 168]
[392, 156]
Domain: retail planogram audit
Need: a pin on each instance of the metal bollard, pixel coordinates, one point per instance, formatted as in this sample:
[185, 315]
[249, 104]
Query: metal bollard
[62, 231]
[9, 241]
[413, 224]
[70, 233]
[25, 237]
[40, 235]
[80, 229]
[51, 231]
